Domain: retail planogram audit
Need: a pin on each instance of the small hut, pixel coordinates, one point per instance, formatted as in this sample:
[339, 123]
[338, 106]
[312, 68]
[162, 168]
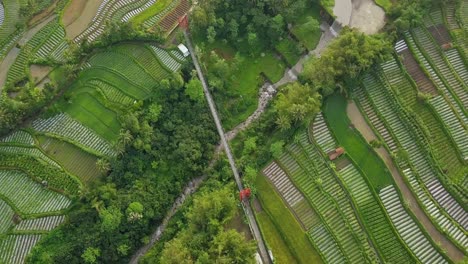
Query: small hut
[333, 155]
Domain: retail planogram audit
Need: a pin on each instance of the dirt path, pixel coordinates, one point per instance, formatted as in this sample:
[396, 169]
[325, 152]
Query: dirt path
[78, 15]
[290, 75]
[360, 123]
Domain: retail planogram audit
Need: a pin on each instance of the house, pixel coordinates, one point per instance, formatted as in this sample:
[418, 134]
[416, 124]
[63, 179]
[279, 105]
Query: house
[183, 49]
[336, 153]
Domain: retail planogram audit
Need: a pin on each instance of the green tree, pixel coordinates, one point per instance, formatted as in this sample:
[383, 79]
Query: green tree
[90, 255]
[276, 149]
[211, 34]
[134, 211]
[231, 247]
[111, 218]
[345, 59]
[175, 252]
[194, 90]
[296, 103]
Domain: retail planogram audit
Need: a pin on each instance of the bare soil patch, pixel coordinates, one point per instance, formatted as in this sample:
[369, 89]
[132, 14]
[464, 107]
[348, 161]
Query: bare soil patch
[239, 225]
[424, 84]
[42, 15]
[368, 17]
[39, 72]
[78, 15]
[440, 34]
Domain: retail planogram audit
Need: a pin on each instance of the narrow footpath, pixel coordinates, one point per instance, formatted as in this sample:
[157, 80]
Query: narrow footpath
[289, 76]
[11, 56]
[361, 125]
[247, 209]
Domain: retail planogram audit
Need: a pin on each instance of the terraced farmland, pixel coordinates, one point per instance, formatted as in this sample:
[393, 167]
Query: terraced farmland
[373, 215]
[112, 11]
[40, 224]
[6, 217]
[48, 40]
[308, 170]
[18, 137]
[414, 238]
[29, 196]
[157, 17]
[64, 126]
[171, 19]
[9, 34]
[74, 159]
[438, 136]
[426, 173]
[15, 248]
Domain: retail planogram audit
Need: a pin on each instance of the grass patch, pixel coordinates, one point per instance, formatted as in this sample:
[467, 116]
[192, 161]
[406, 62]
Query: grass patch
[91, 113]
[280, 250]
[289, 50]
[309, 38]
[385, 4]
[241, 100]
[354, 144]
[156, 8]
[288, 229]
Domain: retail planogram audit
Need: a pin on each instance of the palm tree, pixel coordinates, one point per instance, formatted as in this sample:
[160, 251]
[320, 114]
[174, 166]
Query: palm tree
[125, 137]
[103, 165]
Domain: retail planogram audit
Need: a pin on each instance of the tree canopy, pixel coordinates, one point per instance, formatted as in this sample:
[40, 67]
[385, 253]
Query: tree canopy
[350, 54]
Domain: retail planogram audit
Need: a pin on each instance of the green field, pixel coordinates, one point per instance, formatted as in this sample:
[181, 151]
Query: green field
[335, 112]
[91, 113]
[289, 50]
[151, 11]
[75, 160]
[288, 231]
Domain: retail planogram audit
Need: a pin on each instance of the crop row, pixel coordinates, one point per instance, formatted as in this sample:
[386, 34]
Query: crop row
[427, 118]
[322, 135]
[40, 172]
[18, 70]
[156, 18]
[118, 62]
[166, 59]
[30, 151]
[106, 11]
[54, 47]
[408, 229]
[325, 244]
[374, 216]
[137, 11]
[435, 55]
[438, 81]
[40, 224]
[416, 156]
[6, 217]
[293, 198]
[451, 121]
[308, 170]
[15, 248]
[29, 196]
[146, 58]
[170, 20]
[112, 93]
[18, 137]
[8, 31]
[74, 159]
[63, 125]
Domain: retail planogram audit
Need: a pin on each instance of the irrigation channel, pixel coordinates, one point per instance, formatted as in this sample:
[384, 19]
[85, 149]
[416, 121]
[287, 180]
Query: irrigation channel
[290, 75]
